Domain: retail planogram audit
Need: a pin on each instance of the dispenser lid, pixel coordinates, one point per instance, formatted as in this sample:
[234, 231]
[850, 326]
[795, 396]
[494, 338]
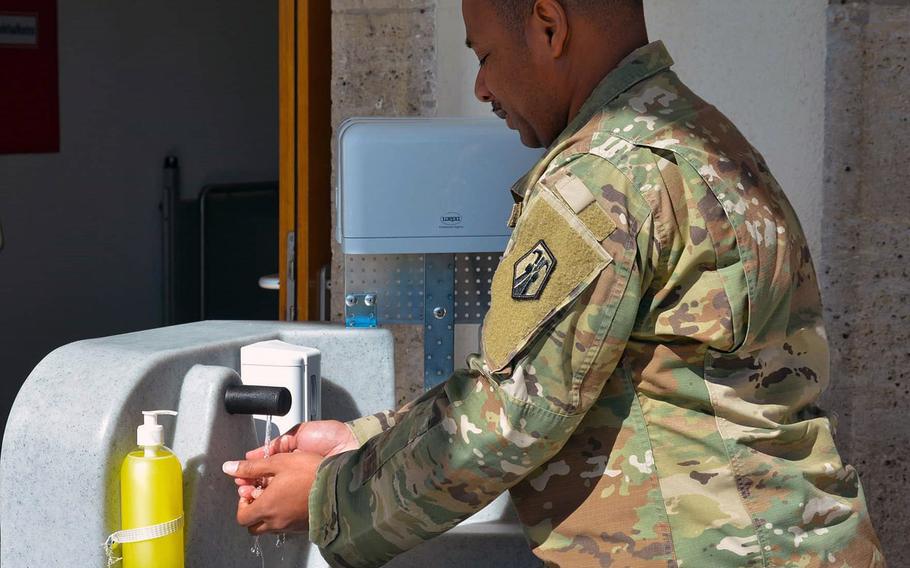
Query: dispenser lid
[150, 433]
[276, 353]
[427, 185]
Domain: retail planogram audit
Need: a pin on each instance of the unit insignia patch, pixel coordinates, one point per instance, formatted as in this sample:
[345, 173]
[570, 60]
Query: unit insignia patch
[532, 272]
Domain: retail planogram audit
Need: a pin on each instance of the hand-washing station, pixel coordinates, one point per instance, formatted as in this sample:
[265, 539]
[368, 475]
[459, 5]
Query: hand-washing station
[76, 416]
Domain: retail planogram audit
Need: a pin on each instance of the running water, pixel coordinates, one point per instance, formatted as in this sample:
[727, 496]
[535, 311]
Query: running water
[280, 538]
[266, 450]
[256, 549]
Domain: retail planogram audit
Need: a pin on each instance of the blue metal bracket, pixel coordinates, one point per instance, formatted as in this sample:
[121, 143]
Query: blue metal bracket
[439, 319]
[360, 310]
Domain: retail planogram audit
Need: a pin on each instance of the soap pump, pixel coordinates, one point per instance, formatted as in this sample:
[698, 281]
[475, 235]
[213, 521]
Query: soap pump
[150, 434]
[151, 500]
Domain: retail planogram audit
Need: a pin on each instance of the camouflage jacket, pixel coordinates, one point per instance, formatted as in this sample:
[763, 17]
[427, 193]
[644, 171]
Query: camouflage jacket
[650, 362]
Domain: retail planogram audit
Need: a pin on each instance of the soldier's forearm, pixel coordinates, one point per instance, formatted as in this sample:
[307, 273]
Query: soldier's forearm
[450, 456]
[366, 427]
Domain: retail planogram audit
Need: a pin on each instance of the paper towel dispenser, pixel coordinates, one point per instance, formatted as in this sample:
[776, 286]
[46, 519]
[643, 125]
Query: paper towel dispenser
[427, 185]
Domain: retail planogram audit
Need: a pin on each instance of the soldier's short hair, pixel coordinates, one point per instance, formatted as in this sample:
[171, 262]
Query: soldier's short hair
[515, 12]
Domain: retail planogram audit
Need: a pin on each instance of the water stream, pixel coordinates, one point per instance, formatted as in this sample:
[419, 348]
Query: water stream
[266, 450]
[256, 549]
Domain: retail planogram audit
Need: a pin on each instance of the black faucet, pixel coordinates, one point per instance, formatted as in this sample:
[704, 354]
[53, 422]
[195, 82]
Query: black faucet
[247, 399]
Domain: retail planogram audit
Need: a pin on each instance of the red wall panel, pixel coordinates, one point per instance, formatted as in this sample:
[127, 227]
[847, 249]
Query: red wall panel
[29, 105]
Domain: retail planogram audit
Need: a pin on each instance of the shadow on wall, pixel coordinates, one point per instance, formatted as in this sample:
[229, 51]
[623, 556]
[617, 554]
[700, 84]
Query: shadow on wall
[82, 227]
[337, 402]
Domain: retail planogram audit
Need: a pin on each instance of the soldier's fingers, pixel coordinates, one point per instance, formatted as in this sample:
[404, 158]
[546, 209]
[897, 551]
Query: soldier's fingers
[258, 529]
[249, 513]
[288, 442]
[259, 482]
[249, 492]
[281, 444]
[250, 469]
[324, 437]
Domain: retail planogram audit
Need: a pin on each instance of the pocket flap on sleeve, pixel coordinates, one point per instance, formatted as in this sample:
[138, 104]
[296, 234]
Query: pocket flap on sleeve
[552, 258]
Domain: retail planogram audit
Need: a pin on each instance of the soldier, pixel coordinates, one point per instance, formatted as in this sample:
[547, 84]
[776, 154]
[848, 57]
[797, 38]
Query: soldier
[651, 357]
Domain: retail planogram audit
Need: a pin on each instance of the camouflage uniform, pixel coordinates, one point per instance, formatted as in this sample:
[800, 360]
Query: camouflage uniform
[650, 362]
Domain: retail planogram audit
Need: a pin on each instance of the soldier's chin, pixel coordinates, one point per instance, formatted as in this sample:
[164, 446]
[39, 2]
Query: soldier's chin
[528, 138]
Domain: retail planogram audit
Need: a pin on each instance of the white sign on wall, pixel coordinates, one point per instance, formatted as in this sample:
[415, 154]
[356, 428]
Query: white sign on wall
[18, 29]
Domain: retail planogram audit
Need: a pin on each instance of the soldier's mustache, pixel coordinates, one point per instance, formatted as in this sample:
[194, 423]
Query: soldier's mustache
[497, 110]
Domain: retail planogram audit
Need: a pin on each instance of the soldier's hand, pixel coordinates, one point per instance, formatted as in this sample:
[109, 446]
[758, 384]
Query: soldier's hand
[282, 506]
[323, 437]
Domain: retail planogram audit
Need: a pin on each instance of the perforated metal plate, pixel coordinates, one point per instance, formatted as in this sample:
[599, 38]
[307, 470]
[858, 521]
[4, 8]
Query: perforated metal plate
[473, 279]
[397, 280]
[435, 290]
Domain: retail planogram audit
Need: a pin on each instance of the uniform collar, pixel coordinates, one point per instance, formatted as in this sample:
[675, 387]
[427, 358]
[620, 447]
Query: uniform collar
[639, 65]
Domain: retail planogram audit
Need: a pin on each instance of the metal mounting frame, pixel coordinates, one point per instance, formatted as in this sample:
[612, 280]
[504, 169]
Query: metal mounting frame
[439, 320]
[437, 291]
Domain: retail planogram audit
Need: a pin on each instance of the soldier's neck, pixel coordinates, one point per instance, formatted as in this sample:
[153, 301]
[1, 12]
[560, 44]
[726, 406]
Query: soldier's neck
[588, 72]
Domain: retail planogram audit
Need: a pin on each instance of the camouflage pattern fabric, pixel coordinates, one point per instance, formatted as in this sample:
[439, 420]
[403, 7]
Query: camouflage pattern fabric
[647, 384]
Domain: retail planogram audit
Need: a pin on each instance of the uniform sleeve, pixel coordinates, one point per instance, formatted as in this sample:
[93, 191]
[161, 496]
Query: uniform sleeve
[548, 348]
[366, 427]
[372, 425]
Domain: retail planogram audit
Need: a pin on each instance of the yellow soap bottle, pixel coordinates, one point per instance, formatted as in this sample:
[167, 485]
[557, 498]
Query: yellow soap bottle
[151, 499]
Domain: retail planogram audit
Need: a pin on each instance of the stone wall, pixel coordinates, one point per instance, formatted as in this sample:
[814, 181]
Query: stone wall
[865, 263]
[763, 67]
[383, 64]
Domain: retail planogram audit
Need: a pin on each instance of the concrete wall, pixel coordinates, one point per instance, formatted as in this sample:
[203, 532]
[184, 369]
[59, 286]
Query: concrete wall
[137, 80]
[865, 267]
[762, 64]
[456, 65]
[383, 64]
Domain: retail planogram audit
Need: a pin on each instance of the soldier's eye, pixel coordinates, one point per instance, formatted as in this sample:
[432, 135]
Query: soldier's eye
[483, 59]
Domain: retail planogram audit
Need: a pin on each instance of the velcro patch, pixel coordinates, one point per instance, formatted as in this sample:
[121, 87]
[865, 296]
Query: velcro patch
[578, 259]
[597, 221]
[580, 199]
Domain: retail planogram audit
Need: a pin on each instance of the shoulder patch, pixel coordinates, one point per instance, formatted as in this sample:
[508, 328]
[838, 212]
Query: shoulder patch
[551, 260]
[532, 272]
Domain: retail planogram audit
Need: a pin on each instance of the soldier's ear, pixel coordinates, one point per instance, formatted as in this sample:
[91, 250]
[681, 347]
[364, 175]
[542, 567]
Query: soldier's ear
[548, 28]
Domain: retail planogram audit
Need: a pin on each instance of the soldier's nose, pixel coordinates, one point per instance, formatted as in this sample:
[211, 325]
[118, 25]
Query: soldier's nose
[481, 91]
